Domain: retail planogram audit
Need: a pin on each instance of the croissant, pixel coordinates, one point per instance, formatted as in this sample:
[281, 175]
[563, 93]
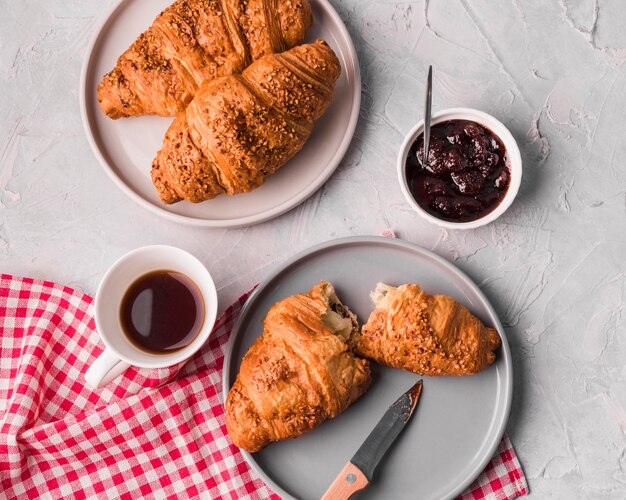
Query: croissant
[241, 128]
[425, 334]
[298, 373]
[195, 40]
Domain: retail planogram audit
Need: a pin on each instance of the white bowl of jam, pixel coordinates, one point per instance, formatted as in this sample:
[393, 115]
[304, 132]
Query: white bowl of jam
[473, 172]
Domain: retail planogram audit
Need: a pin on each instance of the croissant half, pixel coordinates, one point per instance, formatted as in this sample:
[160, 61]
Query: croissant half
[425, 334]
[195, 40]
[241, 128]
[298, 373]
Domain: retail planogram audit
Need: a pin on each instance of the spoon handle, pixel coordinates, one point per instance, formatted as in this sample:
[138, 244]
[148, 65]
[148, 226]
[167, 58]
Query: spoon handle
[427, 108]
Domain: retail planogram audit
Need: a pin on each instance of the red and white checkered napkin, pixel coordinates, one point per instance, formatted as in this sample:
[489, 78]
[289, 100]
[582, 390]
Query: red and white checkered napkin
[156, 434]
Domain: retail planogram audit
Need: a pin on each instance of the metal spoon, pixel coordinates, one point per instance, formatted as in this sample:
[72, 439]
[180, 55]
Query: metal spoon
[427, 108]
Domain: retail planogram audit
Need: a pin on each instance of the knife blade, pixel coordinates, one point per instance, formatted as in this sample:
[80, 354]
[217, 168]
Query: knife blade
[358, 472]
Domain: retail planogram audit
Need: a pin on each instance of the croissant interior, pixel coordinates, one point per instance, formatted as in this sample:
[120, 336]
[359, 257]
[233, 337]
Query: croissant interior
[339, 319]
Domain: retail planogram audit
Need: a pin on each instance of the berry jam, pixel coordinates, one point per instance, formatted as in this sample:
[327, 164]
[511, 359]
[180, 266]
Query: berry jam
[466, 176]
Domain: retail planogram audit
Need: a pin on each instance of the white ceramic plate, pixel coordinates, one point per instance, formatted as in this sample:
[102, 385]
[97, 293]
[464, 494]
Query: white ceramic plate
[125, 148]
[459, 421]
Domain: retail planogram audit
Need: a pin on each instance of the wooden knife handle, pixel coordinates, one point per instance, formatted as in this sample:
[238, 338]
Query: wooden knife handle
[347, 483]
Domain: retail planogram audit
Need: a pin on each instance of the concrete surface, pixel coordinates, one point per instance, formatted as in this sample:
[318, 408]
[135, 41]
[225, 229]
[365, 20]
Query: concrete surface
[553, 265]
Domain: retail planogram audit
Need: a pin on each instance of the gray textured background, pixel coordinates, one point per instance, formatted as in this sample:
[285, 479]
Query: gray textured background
[553, 265]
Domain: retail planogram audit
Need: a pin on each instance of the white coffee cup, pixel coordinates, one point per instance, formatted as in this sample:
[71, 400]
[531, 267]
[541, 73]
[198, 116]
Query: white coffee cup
[120, 352]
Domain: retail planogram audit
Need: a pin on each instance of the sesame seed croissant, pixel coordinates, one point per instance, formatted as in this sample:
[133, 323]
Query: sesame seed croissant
[241, 128]
[298, 373]
[195, 40]
[425, 334]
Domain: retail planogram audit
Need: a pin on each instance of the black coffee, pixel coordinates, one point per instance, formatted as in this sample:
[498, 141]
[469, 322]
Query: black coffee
[162, 312]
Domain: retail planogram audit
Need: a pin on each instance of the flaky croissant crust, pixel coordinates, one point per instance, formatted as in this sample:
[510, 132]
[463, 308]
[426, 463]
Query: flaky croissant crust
[239, 129]
[297, 374]
[195, 40]
[425, 334]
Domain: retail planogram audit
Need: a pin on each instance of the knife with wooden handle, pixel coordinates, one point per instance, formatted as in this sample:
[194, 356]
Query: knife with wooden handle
[358, 472]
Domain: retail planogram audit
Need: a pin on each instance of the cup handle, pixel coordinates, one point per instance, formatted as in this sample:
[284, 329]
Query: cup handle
[105, 369]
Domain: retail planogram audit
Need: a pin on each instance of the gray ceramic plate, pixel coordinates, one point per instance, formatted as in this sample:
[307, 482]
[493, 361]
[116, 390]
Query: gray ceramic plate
[459, 421]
